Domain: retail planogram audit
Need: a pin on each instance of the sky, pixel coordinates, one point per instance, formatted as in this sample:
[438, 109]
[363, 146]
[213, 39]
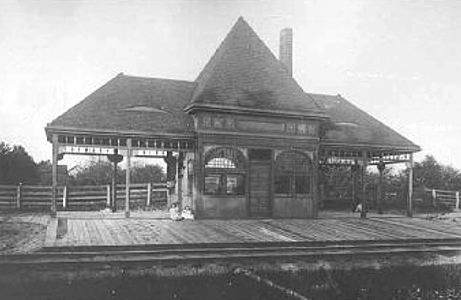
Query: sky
[398, 60]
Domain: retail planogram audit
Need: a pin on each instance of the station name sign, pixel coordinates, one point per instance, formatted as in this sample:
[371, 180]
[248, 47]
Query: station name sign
[86, 150]
[155, 153]
[107, 151]
[340, 161]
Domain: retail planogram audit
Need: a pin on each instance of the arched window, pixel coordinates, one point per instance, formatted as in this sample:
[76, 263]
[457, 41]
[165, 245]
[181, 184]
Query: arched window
[224, 172]
[292, 174]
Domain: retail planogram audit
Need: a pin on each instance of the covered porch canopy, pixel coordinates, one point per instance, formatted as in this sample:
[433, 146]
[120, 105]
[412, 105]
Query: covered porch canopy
[352, 137]
[121, 120]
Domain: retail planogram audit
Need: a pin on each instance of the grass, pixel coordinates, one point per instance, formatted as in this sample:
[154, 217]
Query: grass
[18, 235]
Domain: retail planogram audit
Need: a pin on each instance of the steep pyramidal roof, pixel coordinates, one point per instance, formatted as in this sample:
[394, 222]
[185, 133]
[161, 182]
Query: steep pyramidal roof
[243, 73]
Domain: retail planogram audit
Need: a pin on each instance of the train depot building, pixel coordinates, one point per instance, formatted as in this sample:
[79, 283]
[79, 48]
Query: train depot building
[243, 140]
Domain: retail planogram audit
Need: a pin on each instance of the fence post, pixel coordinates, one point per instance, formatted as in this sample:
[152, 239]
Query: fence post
[64, 197]
[457, 200]
[18, 195]
[108, 195]
[434, 198]
[168, 203]
[149, 193]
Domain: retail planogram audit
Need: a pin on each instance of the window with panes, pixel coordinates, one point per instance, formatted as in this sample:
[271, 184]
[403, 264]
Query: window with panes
[224, 172]
[292, 174]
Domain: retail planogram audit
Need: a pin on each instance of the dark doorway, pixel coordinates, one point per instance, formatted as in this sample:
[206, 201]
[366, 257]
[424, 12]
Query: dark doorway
[260, 169]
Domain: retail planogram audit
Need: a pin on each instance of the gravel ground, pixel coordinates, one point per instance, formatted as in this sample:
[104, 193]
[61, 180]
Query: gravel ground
[449, 217]
[22, 233]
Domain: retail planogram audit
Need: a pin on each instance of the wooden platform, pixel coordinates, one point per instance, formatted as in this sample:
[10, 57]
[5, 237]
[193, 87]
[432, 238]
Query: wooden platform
[83, 229]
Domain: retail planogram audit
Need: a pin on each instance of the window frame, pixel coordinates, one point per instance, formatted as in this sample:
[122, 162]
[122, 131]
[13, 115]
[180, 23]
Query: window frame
[292, 175]
[237, 159]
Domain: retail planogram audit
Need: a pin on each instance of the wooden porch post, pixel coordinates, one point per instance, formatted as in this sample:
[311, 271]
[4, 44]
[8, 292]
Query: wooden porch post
[54, 174]
[410, 187]
[127, 179]
[315, 183]
[379, 193]
[179, 175]
[113, 203]
[363, 213]
[354, 169]
[171, 169]
[115, 159]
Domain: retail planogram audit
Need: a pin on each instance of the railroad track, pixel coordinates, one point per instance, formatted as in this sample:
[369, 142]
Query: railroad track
[226, 252]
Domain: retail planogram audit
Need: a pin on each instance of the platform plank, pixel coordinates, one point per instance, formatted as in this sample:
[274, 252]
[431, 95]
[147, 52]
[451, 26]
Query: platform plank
[111, 231]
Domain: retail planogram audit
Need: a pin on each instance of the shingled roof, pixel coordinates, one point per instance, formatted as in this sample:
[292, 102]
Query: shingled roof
[243, 73]
[133, 104]
[352, 127]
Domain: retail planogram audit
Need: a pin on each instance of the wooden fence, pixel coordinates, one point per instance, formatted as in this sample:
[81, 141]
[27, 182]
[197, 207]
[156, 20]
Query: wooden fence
[444, 198]
[90, 197]
[339, 197]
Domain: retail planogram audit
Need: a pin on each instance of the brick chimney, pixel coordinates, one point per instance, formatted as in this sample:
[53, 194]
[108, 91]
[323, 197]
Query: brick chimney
[286, 49]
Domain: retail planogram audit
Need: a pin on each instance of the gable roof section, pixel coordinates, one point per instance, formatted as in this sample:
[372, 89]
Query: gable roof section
[351, 126]
[244, 74]
[132, 104]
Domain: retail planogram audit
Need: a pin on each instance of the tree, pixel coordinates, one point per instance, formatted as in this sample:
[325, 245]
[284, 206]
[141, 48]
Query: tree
[45, 170]
[95, 173]
[17, 166]
[148, 173]
[433, 175]
[100, 172]
[428, 173]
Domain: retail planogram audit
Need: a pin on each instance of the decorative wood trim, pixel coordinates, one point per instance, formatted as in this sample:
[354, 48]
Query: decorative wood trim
[50, 130]
[260, 134]
[257, 142]
[369, 147]
[260, 126]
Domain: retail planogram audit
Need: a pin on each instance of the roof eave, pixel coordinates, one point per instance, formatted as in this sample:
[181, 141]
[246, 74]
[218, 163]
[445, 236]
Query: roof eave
[53, 129]
[372, 147]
